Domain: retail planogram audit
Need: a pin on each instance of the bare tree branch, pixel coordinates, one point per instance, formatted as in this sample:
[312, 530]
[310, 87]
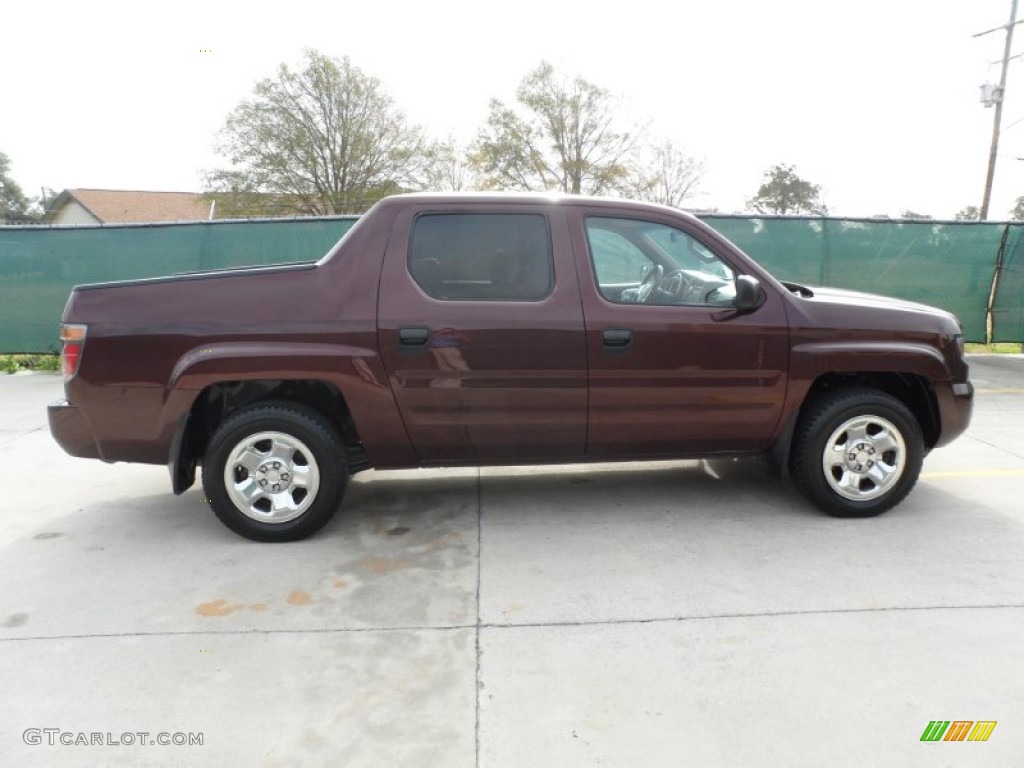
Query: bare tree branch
[563, 135]
[666, 175]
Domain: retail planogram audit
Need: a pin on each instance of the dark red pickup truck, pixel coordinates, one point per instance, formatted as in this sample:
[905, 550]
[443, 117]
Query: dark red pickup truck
[504, 329]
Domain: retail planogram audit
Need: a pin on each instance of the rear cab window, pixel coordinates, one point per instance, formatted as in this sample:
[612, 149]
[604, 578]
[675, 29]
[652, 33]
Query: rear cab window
[482, 256]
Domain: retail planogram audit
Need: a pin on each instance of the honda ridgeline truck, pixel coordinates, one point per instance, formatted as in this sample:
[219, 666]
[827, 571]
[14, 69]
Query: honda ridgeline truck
[447, 330]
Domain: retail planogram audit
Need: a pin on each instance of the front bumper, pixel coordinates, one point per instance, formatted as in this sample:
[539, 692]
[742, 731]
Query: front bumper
[71, 431]
[956, 405]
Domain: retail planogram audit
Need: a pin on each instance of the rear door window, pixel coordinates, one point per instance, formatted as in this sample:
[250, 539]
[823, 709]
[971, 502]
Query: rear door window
[482, 256]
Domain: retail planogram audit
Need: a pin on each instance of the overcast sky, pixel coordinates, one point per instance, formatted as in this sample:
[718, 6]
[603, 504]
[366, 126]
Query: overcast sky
[875, 100]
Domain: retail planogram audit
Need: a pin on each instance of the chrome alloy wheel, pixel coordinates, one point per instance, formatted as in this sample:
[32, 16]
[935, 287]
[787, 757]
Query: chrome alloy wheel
[271, 477]
[864, 458]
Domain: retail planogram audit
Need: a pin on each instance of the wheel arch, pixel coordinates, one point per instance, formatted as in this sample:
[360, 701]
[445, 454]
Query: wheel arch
[217, 401]
[913, 390]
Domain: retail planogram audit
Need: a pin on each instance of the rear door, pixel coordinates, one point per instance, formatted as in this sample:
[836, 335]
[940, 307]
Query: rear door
[481, 332]
[674, 369]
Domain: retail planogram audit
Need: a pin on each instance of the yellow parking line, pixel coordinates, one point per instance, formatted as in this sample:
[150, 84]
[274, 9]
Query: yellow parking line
[973, 473]
[999, 391]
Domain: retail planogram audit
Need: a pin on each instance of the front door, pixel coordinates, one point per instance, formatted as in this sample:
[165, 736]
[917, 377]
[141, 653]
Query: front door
[481, 332]
[674, 369]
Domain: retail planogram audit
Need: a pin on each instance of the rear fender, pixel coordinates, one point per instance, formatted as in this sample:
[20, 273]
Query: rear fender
[356, 372]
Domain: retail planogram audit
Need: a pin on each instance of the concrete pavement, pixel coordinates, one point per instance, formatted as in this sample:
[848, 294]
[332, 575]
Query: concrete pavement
[663, 614]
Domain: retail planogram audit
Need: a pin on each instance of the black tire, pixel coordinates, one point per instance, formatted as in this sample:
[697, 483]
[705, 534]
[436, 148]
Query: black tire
[289, 506]
[875, 449]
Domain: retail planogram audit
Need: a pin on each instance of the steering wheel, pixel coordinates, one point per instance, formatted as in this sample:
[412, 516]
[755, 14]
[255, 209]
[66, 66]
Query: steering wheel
[679, 285]
[648, 284]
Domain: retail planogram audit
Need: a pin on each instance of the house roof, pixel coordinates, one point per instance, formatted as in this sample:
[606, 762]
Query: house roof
[125, 205]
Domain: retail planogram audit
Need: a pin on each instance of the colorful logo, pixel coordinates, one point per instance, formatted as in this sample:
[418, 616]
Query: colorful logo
[958, 730]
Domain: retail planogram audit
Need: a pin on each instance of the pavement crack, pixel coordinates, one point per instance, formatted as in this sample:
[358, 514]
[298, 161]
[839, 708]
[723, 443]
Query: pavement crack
[997, 447]
[479, 625]
[23, 433]
[753, 615]
[479, 569]
[209, 632]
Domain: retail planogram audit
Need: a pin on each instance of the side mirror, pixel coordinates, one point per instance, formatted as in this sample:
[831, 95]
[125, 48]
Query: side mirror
[749, 295]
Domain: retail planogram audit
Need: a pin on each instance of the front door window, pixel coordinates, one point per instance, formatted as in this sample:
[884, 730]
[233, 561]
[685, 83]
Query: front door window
[644, 262]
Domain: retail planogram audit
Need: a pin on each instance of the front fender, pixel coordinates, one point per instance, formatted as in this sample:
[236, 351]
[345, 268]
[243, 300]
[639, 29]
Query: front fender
[810, 360]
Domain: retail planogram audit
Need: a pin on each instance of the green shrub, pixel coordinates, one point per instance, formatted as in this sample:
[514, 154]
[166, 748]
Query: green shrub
[1003, 348]
[49, 363]
[15, 363]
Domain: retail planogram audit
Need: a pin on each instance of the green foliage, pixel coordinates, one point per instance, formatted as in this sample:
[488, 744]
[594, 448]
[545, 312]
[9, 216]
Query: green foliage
[15, 363]
[969, 213]
[320, 140]
[45, 363]
[1000, 348]
[784, 192]
[1017, 213]
[561, 135]
[14, 205]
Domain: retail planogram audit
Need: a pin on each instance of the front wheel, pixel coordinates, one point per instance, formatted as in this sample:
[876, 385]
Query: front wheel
[275, 471]
[856, 452]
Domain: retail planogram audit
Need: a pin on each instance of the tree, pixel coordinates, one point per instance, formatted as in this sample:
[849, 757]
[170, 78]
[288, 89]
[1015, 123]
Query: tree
[14, 205]
[970, 213]
[1017, 214]
[323, 139]
[667, 176]
[562, 135]
[784, 192]
[447, 168]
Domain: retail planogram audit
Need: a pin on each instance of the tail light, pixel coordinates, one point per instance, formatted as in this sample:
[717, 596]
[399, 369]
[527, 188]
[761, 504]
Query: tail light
[72, 339]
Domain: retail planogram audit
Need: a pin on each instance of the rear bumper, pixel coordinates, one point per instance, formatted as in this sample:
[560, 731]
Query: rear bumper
[71, 431]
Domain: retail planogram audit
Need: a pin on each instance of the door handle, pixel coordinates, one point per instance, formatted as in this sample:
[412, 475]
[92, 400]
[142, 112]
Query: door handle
[415, 336]
[616, 338]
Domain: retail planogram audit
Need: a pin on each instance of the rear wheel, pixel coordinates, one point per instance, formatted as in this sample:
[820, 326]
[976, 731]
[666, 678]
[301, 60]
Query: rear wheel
[856, 452]
[275, 471]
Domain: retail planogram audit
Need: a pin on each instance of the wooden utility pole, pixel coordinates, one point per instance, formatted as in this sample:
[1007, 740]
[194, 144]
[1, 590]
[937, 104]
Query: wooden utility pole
[998, 117]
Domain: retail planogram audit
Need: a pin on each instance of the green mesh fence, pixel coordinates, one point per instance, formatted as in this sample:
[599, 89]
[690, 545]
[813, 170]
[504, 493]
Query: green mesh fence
[945, 264]
[1008, 307]
[39, 265]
